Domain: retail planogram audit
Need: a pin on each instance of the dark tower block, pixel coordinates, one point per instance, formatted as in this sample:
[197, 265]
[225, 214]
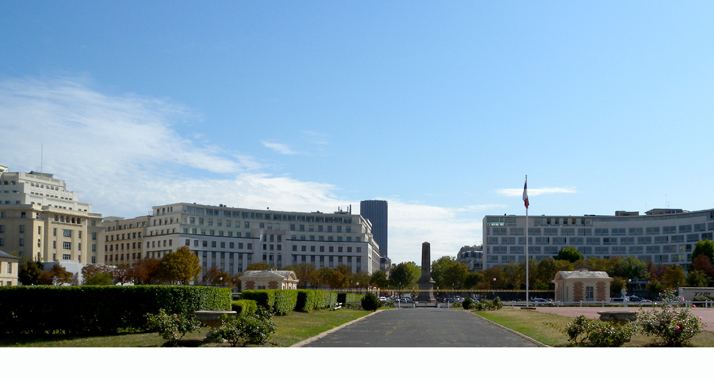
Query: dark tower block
[426, 284]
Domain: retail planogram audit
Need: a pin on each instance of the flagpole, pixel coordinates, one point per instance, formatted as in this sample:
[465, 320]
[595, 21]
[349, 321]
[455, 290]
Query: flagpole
[526, 228]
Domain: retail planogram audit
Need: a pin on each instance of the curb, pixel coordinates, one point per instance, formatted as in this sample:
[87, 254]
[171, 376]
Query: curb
[330, 331]
[526, 337]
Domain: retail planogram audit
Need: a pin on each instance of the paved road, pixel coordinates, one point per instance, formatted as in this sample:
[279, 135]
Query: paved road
[427, 327]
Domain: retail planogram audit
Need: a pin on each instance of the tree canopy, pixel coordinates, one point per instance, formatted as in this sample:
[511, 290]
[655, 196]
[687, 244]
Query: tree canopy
[570, 254]
[404, 275]
[180, 267]
[704, 248]
[630, 267]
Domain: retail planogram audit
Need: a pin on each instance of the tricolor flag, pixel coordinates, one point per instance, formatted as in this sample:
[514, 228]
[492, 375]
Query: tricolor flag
[525, 193]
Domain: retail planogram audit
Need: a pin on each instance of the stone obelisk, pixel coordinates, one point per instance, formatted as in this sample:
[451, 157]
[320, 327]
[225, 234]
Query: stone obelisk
[426, 284]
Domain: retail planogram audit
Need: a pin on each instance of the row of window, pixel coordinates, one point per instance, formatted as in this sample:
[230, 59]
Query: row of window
[266, 216]
[641, 240]
[570, 231]
[321, 248]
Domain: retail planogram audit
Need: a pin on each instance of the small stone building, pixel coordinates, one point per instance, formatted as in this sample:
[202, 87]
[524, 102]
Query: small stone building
[268, 279]
[9, 268]
[582, 285]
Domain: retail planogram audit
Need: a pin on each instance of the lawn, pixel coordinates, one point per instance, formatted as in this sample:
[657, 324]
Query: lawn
[291, 328]
[545, 328]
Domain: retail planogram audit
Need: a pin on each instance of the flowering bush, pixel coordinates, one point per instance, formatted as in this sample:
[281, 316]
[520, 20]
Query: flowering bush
[484, 304]
[172, 327]
[604, 334]
[671, 325]
[598, 333]
[255, 328]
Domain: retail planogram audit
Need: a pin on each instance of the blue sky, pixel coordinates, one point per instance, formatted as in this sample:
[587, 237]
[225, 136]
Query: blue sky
[439, 108]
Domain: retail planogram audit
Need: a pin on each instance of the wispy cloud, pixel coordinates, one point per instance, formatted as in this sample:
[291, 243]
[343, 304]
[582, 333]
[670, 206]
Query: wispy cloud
[536, 191]
[279, 148]
[123, 154]
[316, 138]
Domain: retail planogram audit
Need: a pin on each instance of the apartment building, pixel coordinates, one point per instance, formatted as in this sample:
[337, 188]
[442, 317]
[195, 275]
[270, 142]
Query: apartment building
[41, 219]
[9, 268]
[121, 240]
[662, 236]
[233, 238]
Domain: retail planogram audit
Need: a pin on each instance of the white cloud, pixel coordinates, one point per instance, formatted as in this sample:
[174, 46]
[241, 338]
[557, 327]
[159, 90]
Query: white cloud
[536, 191]
[279, 148]
[123, 155]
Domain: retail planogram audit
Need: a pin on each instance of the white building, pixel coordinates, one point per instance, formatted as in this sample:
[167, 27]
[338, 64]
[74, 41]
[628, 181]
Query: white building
[662, 236]
[41, 219]
[233, 238]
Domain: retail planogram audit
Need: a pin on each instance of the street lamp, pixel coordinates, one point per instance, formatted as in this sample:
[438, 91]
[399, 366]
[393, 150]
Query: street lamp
[493, 291]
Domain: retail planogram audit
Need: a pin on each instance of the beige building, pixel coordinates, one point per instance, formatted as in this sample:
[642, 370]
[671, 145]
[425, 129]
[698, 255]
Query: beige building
[582, 285]
[40, 219]
[9, 268]
[268, 279]
[121, 240]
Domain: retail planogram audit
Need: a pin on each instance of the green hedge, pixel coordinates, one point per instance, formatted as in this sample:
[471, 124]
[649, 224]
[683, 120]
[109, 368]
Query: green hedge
[97, 310]
[244, 307]
[345, 298]
[279, 301]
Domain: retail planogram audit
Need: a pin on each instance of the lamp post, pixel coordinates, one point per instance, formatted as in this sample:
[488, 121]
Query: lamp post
[493, 290]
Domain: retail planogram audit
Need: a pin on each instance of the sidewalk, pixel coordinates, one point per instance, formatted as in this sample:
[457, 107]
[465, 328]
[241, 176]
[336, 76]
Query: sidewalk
[591, 312]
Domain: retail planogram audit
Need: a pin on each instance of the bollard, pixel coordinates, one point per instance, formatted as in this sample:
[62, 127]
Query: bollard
[581, 303]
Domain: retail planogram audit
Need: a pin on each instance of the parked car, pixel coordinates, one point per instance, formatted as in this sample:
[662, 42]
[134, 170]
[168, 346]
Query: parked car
[618, 299]
[541, 301]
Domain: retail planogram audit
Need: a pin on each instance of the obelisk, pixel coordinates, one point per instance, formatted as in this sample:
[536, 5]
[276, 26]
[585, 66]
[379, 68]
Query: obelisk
[425, 283]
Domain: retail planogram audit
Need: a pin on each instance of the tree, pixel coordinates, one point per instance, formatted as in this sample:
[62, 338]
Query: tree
[216, 277]
[656, 271]
[30, 272]
[337, 280]
[673, 277]
[402, 276]
[494, 272]
[454, 275]
[703, 263]
[304, 273]
[360, 279]
[697, 278]
[570, 254]
[323, 276]
[596, 264]
[346, 272]
[514, 275]
[654, 287]
[146, 271]
[379, 279]
[58, 275]
[98, 279]
[704, 248]
[122, 274]
[546, 269]
[473, 279]
[617, 284]
[261, 265]
[180, 267]
[92, 270]
[630, 267]
[437, 269]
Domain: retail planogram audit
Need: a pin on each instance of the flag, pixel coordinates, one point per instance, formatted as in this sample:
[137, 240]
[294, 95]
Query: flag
[525, 193]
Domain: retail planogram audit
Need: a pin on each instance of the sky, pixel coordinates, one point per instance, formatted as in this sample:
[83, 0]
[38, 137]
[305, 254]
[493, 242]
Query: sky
[440, 108]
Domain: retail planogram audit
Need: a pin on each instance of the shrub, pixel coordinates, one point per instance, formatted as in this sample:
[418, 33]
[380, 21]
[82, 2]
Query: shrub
[371, 302]
[244, 329]
[485, 304]
[285, 301]
[172, 327]
[670, 325]
[244, 307]
[609, 334]
[468, 304]
[99, 310]
[599, 333]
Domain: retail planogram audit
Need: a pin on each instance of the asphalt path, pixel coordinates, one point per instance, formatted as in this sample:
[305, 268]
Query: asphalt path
[422, 327]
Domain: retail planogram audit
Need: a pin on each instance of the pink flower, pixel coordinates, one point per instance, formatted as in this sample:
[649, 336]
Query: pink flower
[175, 316]
[693, 305]
[598, 330]
[676, 328]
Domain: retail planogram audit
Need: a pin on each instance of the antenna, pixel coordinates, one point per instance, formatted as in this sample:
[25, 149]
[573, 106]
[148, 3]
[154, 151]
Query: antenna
[42, 156]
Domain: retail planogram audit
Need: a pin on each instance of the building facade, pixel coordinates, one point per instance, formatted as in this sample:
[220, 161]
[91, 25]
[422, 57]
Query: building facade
[472, 259]
[377, 212]
[41, 219]
[662, 236]
[122, 240]
[9, 268]
[230, 239]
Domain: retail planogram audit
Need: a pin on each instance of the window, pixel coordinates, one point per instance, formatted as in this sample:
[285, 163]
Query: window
[67, 233]
[22, 229]
[589, 293]
[66, 257]
[66, 245]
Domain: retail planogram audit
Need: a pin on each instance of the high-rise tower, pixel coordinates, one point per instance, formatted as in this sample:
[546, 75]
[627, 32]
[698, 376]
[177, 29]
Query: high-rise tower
[377, 213]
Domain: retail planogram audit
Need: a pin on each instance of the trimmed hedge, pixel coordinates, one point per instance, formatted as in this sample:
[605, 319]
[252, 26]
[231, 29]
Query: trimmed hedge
[99, 310]
[346, 298]
[279, 301]
[244, 307]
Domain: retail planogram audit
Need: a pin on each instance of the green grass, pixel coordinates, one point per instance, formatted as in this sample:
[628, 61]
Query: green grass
[545, 328]
[291, 328]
